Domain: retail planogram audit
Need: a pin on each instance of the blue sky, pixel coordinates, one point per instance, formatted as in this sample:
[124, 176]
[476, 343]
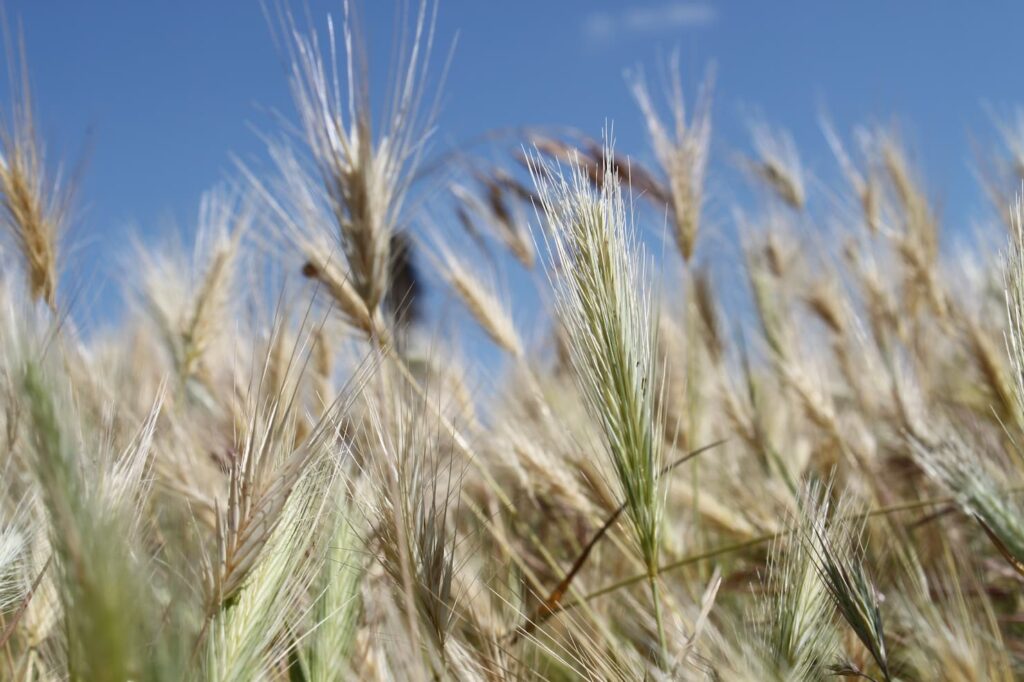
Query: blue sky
[157, 96]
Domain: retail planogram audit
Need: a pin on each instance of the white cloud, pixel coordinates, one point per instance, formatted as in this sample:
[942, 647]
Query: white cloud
[603, 26]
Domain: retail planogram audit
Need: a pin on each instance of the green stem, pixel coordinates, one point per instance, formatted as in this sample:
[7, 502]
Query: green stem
[752, 542]
[656, 597]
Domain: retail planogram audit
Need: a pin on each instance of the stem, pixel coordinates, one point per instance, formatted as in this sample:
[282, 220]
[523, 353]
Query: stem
[554, 599]
[463, 446]
[656, 597]
[738, 546]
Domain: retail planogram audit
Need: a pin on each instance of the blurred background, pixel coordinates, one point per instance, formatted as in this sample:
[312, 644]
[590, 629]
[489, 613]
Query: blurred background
[150, 104]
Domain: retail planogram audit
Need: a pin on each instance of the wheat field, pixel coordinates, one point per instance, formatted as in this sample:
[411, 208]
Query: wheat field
[271, 468]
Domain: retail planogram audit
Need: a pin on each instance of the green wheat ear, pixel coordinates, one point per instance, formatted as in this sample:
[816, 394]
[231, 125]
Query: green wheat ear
[108, 593]
[607, 312]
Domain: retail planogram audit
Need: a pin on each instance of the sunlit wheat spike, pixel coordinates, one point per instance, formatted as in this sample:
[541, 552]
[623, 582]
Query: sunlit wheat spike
[480, 299]
[607, 309]
[777, 163]
[681, 147]
[190, 300]
[364, 178]
[33, 203]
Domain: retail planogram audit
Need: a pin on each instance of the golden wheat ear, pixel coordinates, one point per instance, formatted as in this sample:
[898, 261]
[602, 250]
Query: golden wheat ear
[776, 164]
[681, 147]
[34, 204]
[478, 294]
[340, 201]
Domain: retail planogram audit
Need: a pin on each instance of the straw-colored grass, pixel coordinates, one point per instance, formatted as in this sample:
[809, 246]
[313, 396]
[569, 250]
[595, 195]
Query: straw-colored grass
[792, 460]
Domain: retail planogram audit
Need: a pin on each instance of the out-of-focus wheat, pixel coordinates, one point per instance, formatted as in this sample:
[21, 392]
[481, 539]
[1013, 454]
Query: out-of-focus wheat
[33, 203]
[243, 479]
[682, 150]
